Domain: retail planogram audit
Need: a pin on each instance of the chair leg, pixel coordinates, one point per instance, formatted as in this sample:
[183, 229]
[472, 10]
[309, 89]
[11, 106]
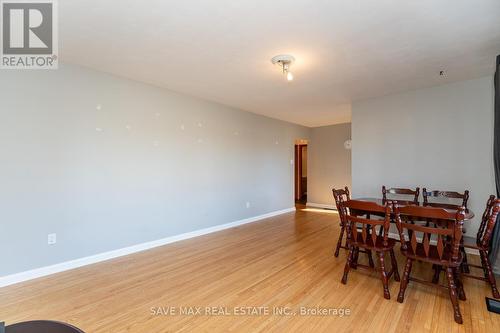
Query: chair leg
[483, 265]
[465, 266]
[405, 280]
[437, 272]
[458, 283]
[369, 252]
[491, 276]
[348, 264]
[394, 265]
[453, 295]
[383, 275]
[354, 263]
[339, 242]
[370, 258]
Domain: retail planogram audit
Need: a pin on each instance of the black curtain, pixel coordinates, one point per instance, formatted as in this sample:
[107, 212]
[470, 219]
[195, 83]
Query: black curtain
[495, 245]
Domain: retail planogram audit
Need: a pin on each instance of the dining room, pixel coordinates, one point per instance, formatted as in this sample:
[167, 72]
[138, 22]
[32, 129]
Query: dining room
[417, 202]
[249, 166]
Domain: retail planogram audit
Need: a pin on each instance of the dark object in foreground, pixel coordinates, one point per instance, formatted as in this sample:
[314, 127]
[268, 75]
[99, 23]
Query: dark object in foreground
[42, 326]
[493, 305]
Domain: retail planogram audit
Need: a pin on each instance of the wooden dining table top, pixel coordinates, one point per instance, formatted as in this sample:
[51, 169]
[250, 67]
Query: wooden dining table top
[469, 214]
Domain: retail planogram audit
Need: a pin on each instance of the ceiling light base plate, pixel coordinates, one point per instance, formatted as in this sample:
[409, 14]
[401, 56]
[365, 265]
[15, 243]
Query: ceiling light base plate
[283, 59]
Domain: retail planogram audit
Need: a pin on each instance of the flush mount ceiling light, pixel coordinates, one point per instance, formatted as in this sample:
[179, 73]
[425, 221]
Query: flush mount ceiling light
[284, 61]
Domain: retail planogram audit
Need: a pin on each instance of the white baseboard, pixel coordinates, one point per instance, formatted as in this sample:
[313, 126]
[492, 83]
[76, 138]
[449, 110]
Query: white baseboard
[64, 266]
[318, 205]
[472, 251]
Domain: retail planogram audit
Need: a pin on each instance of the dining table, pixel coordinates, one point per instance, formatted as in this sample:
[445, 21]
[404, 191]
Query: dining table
[469, 214]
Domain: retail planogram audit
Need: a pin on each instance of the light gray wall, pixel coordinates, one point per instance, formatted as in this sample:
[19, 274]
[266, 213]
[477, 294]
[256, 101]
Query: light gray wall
[439, 138]
[149, 164]
[329, 162]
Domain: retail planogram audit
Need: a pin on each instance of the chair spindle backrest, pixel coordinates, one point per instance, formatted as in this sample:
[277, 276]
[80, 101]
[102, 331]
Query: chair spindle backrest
[463, 197]
[401, 191]
[341, 196]
[412, 228]
[488, 222]
[367, 227]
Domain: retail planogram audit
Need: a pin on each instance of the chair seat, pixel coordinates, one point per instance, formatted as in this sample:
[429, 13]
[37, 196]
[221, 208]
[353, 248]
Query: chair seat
[433, 257]
[378, 245]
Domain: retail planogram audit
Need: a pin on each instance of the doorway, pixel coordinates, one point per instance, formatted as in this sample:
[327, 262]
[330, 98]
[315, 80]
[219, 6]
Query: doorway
[301, 171]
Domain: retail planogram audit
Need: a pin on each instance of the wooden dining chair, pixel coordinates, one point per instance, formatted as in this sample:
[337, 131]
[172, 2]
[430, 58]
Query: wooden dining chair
[461, 200]
[400, 191]
[340, 196]
[417, 240]
[482, 243]
[436, 195]
[362, 233]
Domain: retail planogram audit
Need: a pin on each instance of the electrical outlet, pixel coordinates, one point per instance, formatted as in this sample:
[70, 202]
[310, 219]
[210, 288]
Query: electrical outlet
[248, 204]
[51, 239]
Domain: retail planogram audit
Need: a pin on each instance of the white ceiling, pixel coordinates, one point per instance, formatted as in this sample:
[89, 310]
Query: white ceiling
[345, 50]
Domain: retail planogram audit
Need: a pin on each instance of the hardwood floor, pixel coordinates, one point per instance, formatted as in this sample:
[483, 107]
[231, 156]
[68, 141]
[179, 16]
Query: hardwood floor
[284, 261]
